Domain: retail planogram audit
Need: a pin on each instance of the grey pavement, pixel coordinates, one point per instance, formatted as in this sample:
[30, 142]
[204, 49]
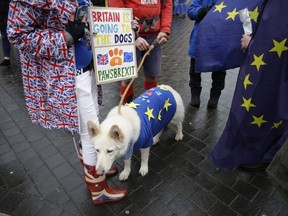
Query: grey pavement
[40, 173]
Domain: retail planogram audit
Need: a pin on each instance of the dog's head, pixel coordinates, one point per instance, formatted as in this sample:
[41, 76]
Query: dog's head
[109, 142]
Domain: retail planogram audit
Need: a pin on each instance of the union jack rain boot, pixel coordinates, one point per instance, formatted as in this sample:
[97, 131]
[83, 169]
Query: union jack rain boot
[100, 191]
[112, 172]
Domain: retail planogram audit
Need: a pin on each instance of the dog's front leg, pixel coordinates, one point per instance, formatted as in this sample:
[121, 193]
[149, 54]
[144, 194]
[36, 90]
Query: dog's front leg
[144, 161]
[126, 172]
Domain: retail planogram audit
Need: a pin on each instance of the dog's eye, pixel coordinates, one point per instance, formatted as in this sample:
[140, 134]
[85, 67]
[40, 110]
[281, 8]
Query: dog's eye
[109, 151]
[97, 150]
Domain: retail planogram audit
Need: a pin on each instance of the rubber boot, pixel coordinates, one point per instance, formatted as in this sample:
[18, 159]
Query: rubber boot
[195, 84]
[213, 100]
[218, 84]
[112, 172]
[149, 85]
[130, 94]
[100, 191]
[195, 97]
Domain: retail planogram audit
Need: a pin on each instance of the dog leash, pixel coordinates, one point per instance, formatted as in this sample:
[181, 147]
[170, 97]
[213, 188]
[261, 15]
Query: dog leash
[139, 67]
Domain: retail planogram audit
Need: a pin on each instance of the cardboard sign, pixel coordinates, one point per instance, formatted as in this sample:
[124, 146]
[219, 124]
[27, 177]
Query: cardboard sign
[113, 44]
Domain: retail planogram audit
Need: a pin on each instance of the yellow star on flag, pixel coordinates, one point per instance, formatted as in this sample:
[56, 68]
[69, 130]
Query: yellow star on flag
[247, 81]
[132, 105]
[219, 7]
[277, 124]
[279, 47]
[258, 62]
[163, 88]
[159, 115]
[232, 14]
[247, 104]
[167, 104]
[258, 120]
[254, 14]
[149, 113]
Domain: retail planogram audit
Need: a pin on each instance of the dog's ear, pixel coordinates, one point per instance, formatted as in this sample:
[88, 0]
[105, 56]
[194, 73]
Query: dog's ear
[93, 129]
[116, 134]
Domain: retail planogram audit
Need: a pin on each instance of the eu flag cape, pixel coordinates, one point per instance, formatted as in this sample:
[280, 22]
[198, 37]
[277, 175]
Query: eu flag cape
[219, 33]
[258, 121]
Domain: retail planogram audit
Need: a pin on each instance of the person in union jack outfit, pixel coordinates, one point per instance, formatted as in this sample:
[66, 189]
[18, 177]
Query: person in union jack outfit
[59, 84]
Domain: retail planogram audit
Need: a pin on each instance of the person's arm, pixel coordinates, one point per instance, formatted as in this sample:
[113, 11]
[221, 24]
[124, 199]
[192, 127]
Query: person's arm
[197, 11]
[26, 34]
[166, 17]
[193, 9]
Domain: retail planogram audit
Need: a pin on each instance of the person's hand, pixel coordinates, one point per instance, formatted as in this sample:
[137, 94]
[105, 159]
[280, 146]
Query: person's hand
[162, 38]
[135, 24]
[76, 28]
[142, 44]
[203, 11]
[245, 40]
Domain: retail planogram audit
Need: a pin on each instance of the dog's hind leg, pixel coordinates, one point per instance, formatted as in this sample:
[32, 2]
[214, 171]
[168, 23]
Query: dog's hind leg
[144, 161]
[156, 138]
[126, 172]
[179, 134]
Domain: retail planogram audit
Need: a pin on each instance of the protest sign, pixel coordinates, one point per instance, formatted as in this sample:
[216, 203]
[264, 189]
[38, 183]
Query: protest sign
[113, 44]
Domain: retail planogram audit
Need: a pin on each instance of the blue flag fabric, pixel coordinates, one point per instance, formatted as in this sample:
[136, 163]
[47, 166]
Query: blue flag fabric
[258, 121]
[219, 33]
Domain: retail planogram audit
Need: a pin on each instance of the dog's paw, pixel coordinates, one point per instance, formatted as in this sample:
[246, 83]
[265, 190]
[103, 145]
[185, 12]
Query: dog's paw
[143, 170]
[179, 136]
[124, 175]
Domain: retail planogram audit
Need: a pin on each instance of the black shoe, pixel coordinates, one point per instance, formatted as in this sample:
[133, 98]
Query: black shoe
[5, 62]
[195, 100]
[254, 167]
[213, 102]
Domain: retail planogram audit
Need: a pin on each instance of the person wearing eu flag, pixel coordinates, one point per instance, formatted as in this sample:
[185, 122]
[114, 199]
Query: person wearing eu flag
[258, 121]
[197, 11]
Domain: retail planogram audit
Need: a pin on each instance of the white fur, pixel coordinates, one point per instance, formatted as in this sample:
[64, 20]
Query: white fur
[112, 137]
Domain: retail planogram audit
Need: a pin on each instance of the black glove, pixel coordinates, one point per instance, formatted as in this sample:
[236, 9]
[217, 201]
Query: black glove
[203, 11]
[75, 29]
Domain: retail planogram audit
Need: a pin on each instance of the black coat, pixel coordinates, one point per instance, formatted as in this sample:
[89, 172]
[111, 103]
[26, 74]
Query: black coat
[4, 8]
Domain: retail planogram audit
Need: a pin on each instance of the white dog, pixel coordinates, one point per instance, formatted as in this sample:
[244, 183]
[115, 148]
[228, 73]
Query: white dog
[138, 126]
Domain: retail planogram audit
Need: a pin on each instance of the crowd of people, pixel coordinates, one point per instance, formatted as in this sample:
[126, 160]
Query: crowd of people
[61, 91]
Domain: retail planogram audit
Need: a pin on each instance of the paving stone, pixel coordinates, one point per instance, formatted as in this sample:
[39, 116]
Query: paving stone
[203, 199]
[157, 208]
[47, 186]
[180, 205]
[21, 146]
[29, 206]
[71, 181]
[262, 182]
[55, 160]
[11, 201]
[224, 193]
[40, 173]
[244, 207]
[219, 209]
[48, 210]
[28, 188]
[205, 181]
[58, 196]
[88, 209]
[33, 164]
[245, 189]
[142, 197]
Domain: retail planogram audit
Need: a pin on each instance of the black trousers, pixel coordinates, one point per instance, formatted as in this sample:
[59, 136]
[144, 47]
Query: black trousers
[218, 80]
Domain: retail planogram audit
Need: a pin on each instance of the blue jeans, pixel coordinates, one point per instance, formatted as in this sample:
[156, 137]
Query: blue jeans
[5, 44]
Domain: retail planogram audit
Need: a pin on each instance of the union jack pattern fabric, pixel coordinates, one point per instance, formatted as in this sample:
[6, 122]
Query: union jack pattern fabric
[36, 29]
[102, 59]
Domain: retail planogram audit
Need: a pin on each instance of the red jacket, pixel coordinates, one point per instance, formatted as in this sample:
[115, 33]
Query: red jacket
[148, 10]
